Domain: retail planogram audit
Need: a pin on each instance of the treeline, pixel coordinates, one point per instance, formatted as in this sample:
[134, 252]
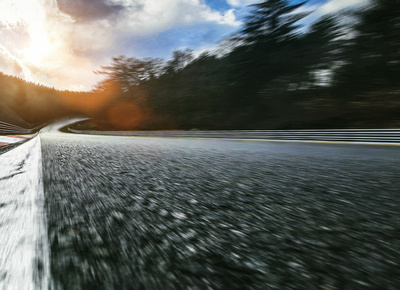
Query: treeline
[341, 71]
[29, 105]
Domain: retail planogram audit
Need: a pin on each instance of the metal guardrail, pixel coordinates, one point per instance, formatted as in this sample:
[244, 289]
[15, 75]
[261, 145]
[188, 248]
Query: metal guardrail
[7, 128]
[331, 135]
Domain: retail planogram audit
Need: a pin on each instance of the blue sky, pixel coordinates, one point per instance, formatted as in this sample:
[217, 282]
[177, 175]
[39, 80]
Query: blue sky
[199, 36]
[202, 35]
[61, 43]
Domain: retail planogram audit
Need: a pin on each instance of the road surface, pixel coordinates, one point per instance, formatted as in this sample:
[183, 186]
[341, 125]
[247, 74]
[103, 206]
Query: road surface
[159, 213]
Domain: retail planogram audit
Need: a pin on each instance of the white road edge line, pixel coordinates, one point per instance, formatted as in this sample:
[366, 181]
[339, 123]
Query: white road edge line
[23, 232]
[262, 140]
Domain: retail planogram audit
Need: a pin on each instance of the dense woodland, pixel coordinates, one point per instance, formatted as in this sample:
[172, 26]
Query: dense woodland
[27, 104]
[342, 71]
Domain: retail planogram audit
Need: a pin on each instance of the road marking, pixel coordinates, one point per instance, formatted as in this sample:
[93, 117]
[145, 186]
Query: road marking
[263, 140]
[23, 230]
[16, 136]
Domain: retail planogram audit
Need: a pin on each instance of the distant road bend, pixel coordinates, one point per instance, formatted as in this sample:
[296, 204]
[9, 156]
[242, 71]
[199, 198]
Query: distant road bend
[117, 212]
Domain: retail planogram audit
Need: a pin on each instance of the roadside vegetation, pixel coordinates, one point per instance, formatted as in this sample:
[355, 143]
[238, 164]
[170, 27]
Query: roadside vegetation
[341, 71]
[28, 105]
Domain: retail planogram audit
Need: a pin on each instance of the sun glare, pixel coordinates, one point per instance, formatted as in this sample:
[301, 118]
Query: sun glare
[38, 49]
[36, 42]
[31, 17]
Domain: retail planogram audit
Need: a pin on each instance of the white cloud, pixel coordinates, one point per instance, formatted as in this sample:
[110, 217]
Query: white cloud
[233, 2]
[35, 44]
[331, 6]
[154, 16]
[240, 3]
[337, 5]
[41, 43]
[12, 65]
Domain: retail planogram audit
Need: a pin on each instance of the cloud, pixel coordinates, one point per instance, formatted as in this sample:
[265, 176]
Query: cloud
[87, 10]
[328, 7]
[331, 6]
[35, 44]
[61, 42]
[11, 64]
[155, 16]
[337, 5]
[240, 3]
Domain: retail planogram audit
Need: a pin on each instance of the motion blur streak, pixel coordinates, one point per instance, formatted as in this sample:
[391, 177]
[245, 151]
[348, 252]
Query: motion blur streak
[148, 213]
[24, 254]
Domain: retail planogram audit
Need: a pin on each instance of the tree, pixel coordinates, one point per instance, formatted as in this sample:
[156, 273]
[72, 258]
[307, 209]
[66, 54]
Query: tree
[269, 42]
[179, 60]
[319, 50]
[271, 21]
[129, 71]
[372, 58]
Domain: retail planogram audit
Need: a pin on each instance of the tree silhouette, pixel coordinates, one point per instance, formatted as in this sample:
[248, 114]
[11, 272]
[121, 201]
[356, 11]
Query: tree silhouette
[372, 57]
[271, 21]
[130, 71]
[268, 46]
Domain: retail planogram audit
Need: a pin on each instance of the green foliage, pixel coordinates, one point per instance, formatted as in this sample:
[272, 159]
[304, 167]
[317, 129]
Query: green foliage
[130, 71]
[27, 104]
[275, 74]
[268, 47]
[372, 58]
[179, 60]
[271, 22]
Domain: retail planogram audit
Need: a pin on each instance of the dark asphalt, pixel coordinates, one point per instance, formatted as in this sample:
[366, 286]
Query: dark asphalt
[153, 213]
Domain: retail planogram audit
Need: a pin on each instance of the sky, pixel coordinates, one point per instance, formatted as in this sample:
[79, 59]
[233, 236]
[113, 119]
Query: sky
[61, 43]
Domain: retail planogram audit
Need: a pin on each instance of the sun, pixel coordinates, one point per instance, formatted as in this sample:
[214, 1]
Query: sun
[31, 17]
[40, 44]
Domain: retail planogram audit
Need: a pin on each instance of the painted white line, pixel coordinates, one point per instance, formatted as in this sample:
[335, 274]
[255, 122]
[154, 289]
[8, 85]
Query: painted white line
[23, 226]
[263, 140]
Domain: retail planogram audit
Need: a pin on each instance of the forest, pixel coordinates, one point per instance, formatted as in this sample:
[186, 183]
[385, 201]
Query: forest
[275, 72]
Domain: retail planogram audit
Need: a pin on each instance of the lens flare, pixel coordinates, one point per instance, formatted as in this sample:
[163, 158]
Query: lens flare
[125, 115]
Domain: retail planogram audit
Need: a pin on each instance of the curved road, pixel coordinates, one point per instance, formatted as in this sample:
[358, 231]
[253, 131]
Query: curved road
[159, 213]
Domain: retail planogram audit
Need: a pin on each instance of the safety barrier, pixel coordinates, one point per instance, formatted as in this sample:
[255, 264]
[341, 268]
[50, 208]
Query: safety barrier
[333, 135]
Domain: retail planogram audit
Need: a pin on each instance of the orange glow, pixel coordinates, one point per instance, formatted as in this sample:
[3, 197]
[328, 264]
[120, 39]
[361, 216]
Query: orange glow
[126, 115]
[90, 103]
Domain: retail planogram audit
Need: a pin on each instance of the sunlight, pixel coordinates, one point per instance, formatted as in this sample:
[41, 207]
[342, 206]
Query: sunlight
[40, 46]
[29, 16]
[37, 44]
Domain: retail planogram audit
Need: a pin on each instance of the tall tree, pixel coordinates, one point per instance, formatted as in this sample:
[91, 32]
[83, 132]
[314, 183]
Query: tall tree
[372, 60]
[130, 71]
[267, 48]
[271, 21]
[179, 60]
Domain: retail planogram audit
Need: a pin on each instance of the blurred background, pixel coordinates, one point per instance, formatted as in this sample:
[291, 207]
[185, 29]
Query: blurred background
[283, 67]
[83, 211]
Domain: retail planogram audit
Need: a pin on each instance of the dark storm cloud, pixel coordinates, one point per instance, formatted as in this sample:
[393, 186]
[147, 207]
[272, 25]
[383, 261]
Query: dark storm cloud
[88, 10]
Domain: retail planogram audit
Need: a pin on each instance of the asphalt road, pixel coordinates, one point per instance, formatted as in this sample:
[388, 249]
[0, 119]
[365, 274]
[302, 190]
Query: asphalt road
[159, 213]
